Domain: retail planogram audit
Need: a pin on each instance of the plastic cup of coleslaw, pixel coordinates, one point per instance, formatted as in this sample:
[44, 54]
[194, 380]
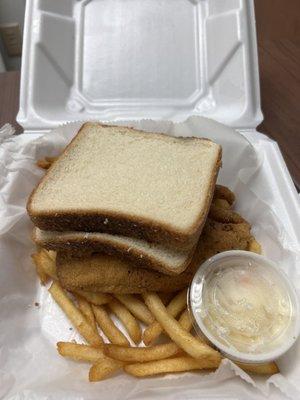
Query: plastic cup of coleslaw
[245, 306]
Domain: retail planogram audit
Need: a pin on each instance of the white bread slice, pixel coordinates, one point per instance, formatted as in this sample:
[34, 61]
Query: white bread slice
[139, 252]
[122, 181]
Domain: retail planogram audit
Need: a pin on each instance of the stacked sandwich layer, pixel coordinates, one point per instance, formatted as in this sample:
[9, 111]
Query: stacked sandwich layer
[224, 230]
[143, 197]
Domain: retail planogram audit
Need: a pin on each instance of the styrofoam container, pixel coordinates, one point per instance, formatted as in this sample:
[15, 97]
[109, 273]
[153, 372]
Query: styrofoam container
[115, 60]
[132, 59]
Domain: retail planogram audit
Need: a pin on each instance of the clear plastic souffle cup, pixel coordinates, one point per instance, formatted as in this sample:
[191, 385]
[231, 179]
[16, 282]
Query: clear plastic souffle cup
[245, 306]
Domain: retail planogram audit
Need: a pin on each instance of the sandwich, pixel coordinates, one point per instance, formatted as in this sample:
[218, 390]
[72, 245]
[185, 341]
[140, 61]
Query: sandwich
[136, 251]
[121, 181]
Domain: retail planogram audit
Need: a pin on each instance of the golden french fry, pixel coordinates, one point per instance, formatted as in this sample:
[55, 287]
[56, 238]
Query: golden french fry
[113, 334]
[86, 309]
[269, 368]
[36, 257]
[221, 203]
[182, 338]
[185, 320]
[48, 264]
[136, 307]
[128, 320]
[141, 354]
[74, 315]
[103, 369]
[95, 298]
[178, 364]
[152, 332]
[255, 247]
[80, 352]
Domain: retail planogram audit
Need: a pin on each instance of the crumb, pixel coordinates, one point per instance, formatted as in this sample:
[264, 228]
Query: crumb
[37, 304]
[70, 329]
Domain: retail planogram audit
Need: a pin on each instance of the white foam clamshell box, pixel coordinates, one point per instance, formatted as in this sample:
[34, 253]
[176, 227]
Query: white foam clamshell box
[128, 59]
[115, 60]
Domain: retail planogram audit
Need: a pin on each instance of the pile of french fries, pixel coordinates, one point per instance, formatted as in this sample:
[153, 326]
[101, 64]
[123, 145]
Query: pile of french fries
[91, 314]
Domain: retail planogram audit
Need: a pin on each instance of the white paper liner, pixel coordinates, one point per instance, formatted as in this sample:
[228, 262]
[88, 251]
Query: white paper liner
[29, 365]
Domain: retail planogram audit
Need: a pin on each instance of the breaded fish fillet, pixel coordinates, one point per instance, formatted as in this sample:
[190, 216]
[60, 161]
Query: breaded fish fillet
[224, 230]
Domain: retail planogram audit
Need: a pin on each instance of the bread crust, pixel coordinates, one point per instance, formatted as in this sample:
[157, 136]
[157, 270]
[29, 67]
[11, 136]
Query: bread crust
[117, 223]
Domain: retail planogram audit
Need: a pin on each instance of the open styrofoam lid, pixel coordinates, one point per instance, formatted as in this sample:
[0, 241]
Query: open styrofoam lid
[127, 59]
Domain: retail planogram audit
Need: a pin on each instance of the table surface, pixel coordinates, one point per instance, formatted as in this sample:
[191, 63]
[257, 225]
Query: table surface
[278, 33]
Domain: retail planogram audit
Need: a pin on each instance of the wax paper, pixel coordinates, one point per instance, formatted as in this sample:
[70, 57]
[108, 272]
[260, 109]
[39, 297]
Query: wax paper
[31, 323]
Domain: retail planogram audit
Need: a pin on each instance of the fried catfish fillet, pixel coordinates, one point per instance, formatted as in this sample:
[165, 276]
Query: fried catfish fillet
[224, 230]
